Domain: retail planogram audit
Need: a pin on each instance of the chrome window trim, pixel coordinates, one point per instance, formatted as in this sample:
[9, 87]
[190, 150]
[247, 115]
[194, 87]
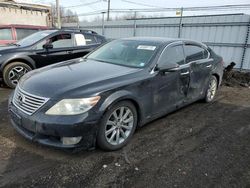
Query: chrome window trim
[199, 45]
[169, 45]
[182, 42]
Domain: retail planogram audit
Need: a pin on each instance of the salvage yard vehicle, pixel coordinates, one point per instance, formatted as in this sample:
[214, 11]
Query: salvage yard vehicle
[101, 99]
[44, 48]
[12, 33]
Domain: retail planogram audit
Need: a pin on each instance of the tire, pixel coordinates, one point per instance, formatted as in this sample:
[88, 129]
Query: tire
[211, 89]
[13, 72]
[117, 126]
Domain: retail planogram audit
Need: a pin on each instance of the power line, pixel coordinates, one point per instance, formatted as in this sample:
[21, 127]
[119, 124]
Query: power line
[136, 3]
[210, 8]
[84, 4]
[222, 7]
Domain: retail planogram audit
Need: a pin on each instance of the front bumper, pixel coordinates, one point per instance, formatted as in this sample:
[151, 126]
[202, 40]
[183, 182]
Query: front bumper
[48, 130]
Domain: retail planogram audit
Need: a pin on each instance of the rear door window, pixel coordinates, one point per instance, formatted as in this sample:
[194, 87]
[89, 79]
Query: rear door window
[5, 34]
[84, 39]
[80, 39]
[194, 53]
[24, 32]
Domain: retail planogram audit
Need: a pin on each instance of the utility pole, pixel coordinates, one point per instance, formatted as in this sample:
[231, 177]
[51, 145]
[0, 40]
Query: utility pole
[108, 10]
[58, 14]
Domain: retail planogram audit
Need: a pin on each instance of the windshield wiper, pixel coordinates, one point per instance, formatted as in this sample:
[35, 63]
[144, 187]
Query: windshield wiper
[98, 60]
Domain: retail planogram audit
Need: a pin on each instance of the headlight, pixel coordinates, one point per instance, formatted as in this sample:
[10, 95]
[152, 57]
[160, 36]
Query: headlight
[73, 106]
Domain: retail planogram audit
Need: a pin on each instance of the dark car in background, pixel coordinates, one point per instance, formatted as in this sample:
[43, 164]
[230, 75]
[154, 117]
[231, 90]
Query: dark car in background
[44, 48]
[104, 96]
[12, 33]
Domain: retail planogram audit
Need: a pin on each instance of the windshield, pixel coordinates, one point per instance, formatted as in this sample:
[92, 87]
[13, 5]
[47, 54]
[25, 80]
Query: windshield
[126, 52]
[31, 39]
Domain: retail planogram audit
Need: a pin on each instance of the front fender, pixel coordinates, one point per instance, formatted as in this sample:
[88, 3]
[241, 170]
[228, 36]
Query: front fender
[117, 96]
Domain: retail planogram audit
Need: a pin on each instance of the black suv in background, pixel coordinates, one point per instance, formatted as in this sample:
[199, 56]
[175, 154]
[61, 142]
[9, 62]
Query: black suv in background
[44, 48]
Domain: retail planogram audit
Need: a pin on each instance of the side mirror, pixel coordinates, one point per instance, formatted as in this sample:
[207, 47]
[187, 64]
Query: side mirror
[47, 46]
[168, 67]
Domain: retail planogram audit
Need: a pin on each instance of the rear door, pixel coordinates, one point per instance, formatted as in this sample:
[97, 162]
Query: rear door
[84, 43]
[200, 68]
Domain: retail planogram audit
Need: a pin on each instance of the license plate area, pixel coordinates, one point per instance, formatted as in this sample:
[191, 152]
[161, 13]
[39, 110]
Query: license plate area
[15, 117]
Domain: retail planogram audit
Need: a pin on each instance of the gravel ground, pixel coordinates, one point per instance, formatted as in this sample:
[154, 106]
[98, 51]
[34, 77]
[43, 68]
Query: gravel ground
[202, 145]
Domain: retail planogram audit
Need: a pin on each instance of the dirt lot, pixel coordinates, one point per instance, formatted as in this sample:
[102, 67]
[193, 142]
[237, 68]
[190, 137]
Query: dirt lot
[202, 145]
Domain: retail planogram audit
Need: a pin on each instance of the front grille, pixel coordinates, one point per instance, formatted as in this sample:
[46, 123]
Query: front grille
[26, 102]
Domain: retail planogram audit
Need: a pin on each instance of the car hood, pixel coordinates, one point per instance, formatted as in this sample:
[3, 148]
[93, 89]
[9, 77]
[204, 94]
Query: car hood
[6, 49]
[64, 77]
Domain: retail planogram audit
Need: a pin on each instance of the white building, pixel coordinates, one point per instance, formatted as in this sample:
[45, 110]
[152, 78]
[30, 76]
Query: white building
[24, 13]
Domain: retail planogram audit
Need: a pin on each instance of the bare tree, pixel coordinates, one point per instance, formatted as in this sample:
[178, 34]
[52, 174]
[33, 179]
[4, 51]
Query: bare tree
[67, 16]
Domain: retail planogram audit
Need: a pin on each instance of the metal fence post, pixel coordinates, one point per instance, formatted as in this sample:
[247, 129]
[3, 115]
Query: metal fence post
[180, 23]
[245, 47]
[103, 23]
[134, 33]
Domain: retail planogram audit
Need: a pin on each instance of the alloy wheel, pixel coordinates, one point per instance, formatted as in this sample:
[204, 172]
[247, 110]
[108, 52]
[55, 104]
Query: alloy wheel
[119, 125]
[16, 73]
[212, 89]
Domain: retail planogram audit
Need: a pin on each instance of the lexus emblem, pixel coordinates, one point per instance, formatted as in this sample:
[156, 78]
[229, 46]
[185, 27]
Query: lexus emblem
[21, 99]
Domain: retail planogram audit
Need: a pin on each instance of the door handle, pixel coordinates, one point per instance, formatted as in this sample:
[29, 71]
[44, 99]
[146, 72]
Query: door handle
[208, 66]
[185, 73]
[70, 52]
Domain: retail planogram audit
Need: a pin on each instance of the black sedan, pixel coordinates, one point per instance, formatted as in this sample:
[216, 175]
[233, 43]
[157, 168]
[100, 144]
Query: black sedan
[44, 48]
[101, 99]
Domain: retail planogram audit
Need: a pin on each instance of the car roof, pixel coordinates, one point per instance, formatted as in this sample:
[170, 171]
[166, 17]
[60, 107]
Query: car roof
[49, 31]
[163, 40]
[87, 32]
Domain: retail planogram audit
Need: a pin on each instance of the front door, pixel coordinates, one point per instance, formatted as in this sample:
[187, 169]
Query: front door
[63, 49]
[171, 88]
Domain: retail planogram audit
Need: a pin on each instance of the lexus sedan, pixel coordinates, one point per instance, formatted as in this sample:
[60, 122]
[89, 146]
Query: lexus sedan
[100, 99]
[44, 48]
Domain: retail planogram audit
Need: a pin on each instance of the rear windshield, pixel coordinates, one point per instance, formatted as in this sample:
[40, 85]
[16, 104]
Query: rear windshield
[126, 52]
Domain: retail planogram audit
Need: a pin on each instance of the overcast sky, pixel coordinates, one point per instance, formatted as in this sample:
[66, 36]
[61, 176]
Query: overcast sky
[121, 4]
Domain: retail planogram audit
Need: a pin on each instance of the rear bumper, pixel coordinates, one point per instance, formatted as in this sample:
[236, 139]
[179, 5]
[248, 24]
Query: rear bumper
[44, 132]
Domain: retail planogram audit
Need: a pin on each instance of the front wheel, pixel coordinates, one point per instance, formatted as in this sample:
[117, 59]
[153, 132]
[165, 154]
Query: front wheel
[13, 72]
[117, 126]
[212, 89]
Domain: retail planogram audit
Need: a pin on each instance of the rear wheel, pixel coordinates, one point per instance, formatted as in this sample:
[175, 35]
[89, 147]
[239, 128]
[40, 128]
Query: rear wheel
[13, 72]
[117, 126]
[212, 89]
